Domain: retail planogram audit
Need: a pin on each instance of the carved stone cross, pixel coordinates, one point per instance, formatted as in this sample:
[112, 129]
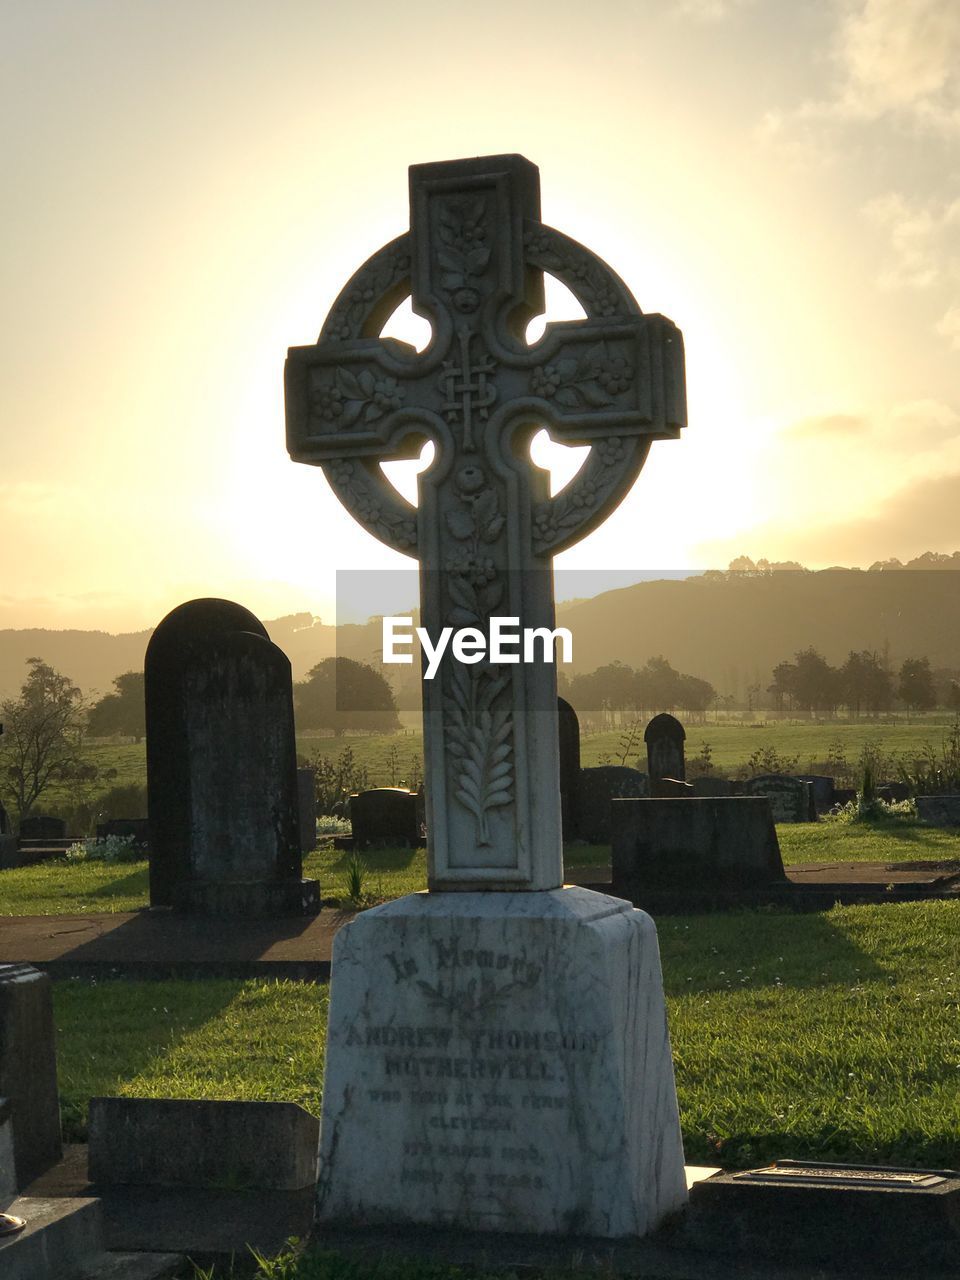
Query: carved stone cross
[485, 529]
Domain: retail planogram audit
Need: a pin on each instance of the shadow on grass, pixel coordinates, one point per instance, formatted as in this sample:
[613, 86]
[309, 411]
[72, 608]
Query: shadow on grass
[750, 949]
[134, 882]
[103, 1044]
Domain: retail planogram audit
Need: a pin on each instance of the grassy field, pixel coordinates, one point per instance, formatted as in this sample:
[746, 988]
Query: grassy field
[811, 1036]
[62, 888]
[390, 759]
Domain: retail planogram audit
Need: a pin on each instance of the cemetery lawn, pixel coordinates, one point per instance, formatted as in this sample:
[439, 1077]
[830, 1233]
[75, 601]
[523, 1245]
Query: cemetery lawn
[828, 1036]
[58, 887]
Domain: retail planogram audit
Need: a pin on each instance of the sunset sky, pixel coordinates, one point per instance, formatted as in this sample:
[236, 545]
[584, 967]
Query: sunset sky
[188, 185]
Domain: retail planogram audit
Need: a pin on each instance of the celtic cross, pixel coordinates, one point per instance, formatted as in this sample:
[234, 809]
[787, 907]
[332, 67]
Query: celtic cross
[485, 528]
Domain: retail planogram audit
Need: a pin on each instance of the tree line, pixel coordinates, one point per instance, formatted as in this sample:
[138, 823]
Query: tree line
[864, 685]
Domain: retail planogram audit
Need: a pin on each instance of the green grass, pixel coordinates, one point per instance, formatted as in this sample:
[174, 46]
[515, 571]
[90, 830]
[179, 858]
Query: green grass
[61, 888]
[809, 1036]
[388, 758]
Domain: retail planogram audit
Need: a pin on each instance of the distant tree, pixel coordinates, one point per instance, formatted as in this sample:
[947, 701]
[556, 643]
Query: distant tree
[658, 685]
[42, 732]
[953, 696]
[123, 711]
[865, 684]
[341, 694]
[816, 685]
[694, 695]
[783, 685]
[915, 689]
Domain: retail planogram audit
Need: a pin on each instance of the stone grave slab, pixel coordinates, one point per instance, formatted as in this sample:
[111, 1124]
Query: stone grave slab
[597, 787]
[842, 1216]
[791, 799]
[28, 1069]
[665, 736]
[696, 845]
[568, 726]
[939, 811]
[43, 827]
[221, 767]
[385, 817]
[506, 1056]
[824, 787]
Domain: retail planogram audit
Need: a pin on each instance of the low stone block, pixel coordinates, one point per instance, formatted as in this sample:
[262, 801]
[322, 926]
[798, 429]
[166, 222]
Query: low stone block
[9, 853]
[939, 811]
[698, 844]
[500, 1062]
[28, 1069]
[906, 1220]
[248, 899]
[791, 799]
[200, 1143]
[43, 827]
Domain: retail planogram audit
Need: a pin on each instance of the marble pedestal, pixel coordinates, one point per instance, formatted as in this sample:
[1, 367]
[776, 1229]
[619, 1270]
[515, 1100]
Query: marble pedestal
[501, 1062]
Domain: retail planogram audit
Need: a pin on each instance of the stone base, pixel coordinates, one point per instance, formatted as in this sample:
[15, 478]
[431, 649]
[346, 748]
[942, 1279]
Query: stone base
[500, 1062]
[9, 852]
[250, 899]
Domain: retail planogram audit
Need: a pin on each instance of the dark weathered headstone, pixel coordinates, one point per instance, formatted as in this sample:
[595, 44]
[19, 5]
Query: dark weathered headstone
[136, 829]
[893, 792]
[171, 1142]
[709, 786]
[664, 736]
[28, 1069]
[698, 845]
[43, 827]
[596, 788]
[824, 788]
[569, 733]
[307, 808]
[791, 799]
[844, 795]
[939, 811]
[385, 816]
[221, 767]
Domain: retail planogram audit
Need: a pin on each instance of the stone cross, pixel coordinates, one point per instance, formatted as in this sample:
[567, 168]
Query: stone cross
[485, 528]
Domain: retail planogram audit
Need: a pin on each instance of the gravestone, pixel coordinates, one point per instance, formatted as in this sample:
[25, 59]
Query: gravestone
[893, 792]
[939, 811]
[8, 1169]
[596, 788]
[791, 799]
[221, 767]
[696, 845]
[495, 1060]
[307, 808]
[385, 817]
[569, 737]
[28, 1069]
[824, 787]
[665, 736]
[706, 785]
[43, 827]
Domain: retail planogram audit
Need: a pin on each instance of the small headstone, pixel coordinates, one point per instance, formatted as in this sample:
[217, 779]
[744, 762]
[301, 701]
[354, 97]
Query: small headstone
[694, 845]
[596, 788]
[664, 736]
[568, 726]
[893, 792]
[307, 808]
[708, 786]
[824, 789]
[791, 799]
[939, 811]
[172, 1142]
[843, 795]
[222, 767]
[28, 1069]
[135, 829]
[43, 827]
[385, 817]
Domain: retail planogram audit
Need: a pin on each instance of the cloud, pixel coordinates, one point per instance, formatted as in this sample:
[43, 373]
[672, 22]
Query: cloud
[900, 56]
[949, 326]
[923, 238]
[919, 517]
[828, 425]
[708, 10]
